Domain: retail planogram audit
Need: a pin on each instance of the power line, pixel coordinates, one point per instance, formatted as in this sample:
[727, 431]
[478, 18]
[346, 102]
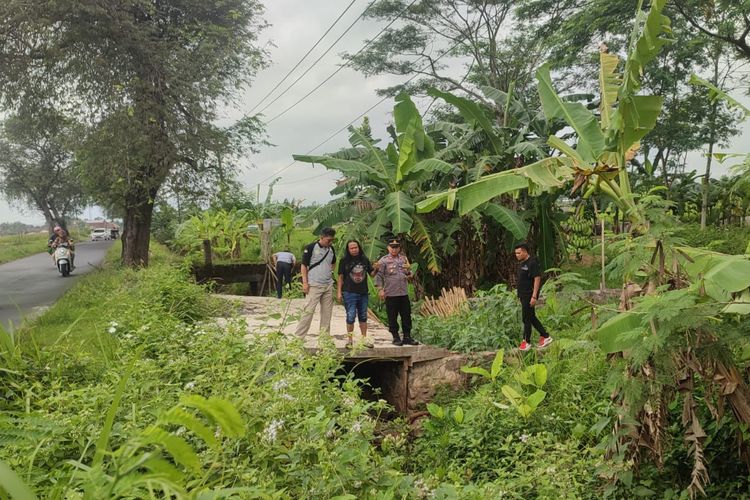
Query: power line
[327, 172]
[279, 115]
[318, 59]
[330, 137]
[381, 101]
[275, 87]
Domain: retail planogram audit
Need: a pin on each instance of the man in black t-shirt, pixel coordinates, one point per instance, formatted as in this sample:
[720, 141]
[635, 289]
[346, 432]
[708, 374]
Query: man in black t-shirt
[529, 284]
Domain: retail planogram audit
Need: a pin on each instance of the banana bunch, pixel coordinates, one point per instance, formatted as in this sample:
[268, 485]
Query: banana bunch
[577, 233]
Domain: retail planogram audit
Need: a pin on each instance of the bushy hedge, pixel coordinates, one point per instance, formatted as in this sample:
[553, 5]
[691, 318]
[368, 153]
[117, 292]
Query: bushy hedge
[730, 240]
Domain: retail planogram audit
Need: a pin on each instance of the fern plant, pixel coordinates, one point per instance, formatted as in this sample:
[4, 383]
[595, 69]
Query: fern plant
[171, 458]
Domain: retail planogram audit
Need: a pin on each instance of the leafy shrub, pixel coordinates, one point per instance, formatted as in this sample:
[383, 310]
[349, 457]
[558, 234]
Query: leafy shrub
[491, 321]
[137, 414]
[548, 452]
[729, 240]
[562, 301]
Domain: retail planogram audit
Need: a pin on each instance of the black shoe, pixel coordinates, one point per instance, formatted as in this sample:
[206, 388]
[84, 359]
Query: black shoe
[397, 340]
[409, 341]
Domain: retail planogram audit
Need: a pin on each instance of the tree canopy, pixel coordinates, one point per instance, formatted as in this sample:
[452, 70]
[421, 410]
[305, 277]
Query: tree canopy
[149, 76]
[37, 164]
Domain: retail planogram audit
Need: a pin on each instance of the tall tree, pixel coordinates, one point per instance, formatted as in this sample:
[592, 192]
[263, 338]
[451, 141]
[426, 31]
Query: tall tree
[37, 166]
[150, 75]
[725, 20]
[431, 32]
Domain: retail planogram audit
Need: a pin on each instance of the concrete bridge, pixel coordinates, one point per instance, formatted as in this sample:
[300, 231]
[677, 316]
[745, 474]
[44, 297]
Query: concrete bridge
[406, 376]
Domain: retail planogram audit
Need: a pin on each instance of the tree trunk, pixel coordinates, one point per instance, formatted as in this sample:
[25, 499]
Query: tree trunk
[136, 235]
[705, 184]
[665, 171]
[711, 140]
[42, 206]
[49, 219]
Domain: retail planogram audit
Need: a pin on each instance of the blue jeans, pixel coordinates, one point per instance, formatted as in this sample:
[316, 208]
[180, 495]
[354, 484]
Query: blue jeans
[356, 306]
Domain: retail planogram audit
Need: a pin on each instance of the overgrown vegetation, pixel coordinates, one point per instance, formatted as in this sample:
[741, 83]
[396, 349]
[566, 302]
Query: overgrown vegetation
[183, 405]
[22, 245]
[489, 322]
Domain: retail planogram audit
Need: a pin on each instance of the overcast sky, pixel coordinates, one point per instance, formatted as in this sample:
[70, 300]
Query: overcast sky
[295, 26]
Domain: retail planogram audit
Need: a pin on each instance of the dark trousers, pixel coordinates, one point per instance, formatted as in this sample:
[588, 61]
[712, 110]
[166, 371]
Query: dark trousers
[396, 306]
[528, 314]
[283, 272]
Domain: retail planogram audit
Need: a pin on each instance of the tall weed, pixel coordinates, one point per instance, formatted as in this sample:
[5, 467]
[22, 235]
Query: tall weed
[491, 322]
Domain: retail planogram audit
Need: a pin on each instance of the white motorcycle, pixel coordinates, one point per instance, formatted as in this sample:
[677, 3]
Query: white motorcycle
[63, 260]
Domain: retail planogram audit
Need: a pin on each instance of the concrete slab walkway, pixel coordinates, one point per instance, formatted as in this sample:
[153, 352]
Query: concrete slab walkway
[266, 314]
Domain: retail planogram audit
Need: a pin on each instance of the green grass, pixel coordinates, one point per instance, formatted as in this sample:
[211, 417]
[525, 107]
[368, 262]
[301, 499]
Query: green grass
[589, 268]
[731, 240]
[22, 245]
[80, 319]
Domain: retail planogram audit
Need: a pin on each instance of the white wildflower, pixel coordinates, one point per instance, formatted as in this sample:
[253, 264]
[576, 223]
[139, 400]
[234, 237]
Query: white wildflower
[114, 323]
[288, 397]
[524, 438]
[112, 329]
[280, 385]
[424, 490]
[272, 430]
[331, 433]
[357, 426]
[190, 385]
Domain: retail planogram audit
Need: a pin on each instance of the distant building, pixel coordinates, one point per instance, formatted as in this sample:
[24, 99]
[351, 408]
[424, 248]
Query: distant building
[101, 224]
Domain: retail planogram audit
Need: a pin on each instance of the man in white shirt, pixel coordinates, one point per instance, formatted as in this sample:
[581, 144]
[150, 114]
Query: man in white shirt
[283, 262]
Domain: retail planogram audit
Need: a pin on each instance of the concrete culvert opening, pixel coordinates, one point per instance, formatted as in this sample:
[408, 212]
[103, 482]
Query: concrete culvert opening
[386, 379]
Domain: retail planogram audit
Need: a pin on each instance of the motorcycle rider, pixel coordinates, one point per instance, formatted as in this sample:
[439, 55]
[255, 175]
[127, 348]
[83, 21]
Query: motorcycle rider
[59, 236]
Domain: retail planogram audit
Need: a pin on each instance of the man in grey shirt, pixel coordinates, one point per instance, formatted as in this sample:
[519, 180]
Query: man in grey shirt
[317, 281]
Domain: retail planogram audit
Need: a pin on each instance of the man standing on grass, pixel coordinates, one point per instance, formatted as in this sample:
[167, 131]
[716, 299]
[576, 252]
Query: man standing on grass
[529, 284]
[318, 259]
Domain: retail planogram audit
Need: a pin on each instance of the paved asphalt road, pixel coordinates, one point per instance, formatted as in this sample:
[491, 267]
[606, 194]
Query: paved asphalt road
[31, 284]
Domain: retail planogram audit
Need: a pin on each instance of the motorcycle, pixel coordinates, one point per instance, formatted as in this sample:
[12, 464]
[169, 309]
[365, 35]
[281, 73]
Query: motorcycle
[63, 260]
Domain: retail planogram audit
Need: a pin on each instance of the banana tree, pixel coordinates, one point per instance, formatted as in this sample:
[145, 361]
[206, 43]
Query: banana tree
[224, 229]
[495, 133]
[604, 146]
[380, 186]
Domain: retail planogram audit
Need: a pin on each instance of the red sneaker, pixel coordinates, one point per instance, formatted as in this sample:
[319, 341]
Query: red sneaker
[544, 342]
[525, 346]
